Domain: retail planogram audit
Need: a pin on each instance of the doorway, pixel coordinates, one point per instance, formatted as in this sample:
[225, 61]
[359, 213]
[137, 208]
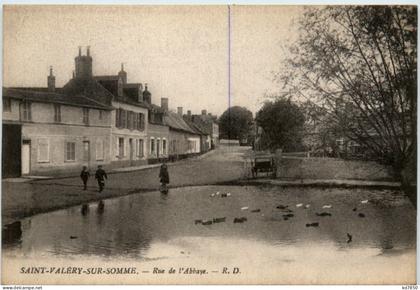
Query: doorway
[26, 157]
[131, 152]
[11, 150]
[157, 148]
[86, 152]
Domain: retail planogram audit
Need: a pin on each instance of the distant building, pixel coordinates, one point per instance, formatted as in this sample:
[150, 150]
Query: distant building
[208, 124]
[183, 140]
[205, 138]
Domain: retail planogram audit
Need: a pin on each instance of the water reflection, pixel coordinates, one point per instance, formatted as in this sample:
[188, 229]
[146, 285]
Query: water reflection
[85, 209]
[101, 207]
[12, 234]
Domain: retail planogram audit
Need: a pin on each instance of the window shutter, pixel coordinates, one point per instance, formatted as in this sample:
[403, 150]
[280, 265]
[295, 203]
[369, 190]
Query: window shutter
[126, 148]
[116, 147]
[43, 150]
[99, 149]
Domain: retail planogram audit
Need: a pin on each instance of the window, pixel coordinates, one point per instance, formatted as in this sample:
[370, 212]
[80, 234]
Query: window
[121, 147]
[117, 118]
[141, 122]
[25, 111]
[101, 115]
[57, 113]
[130, 120]
[43, 150]
[99, 149]
[136, 121]
[164, 147]
[158, 147]
[70, 151]
[140, 150]
[152, 146]
[86, 116]
[127, 121]
[7, 105]
[123, 119]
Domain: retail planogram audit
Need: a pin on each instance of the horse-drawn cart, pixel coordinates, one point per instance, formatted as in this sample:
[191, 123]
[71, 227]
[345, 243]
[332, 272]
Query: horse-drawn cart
[263, 163]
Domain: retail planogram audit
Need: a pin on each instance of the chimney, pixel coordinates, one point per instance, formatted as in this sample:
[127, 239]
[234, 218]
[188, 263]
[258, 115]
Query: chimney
[204, 112]
[51, 81]
[209, 114]
[147, 96]
[180, 111]
[122, 74]
[83, 64]
[189, 114]
[140, 95]
[164, 103]
[120, 87]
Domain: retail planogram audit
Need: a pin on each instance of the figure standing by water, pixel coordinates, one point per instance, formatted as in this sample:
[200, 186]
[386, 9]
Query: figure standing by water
[84, 175]
[100, 175]
[164, 178]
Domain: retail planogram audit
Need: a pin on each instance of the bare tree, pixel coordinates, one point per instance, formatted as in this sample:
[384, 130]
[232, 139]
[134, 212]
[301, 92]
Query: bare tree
[359, 63]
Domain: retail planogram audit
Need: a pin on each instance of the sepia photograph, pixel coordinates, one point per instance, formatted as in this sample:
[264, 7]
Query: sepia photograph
[209, 144]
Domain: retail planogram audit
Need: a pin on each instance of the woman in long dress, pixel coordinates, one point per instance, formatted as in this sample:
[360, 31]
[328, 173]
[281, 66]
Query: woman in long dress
[164, 177]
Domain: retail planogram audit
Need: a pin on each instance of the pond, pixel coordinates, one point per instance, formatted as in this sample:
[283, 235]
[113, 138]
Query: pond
[269, 234]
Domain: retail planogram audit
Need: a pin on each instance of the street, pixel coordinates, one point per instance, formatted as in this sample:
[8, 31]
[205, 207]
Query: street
[271, 234]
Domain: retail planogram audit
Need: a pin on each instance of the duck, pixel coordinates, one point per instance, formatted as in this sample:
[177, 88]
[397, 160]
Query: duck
[289, 215]
[219, 220]
[312, 224]
[239, 220]
[349, 238]
[206, 223]
[323, 214]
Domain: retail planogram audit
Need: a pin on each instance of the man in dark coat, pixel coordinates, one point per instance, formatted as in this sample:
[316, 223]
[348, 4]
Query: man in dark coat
[84, 175]
[100, 175]
[164, 177]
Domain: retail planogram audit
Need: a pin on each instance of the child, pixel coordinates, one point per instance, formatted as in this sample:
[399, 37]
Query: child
[84, 175]
[100, 175]
[164, 177]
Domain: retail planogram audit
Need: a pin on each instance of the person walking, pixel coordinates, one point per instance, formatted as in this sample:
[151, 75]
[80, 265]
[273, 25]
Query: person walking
[100, 175]
[84, 175]
[164, 177]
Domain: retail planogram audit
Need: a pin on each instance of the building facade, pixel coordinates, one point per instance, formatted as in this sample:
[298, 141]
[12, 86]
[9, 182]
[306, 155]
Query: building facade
[158, 132]
[183, 140]
[207, 123]
[46, 131]
[129, 126]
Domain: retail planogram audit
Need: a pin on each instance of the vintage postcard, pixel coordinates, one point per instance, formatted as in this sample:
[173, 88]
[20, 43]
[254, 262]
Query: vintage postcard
[211, 144]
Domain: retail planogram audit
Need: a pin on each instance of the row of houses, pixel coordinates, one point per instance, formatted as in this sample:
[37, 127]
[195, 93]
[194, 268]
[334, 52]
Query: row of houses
[95, 120]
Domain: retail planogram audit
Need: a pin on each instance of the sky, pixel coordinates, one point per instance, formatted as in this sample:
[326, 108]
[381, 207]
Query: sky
[182, 52]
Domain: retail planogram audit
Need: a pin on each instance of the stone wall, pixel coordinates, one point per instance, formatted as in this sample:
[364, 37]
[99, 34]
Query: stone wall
[331, 168]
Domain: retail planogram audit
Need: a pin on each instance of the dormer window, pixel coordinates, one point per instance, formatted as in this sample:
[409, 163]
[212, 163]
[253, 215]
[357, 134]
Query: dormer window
[86, 116]
[57, 113]
[25, 111]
